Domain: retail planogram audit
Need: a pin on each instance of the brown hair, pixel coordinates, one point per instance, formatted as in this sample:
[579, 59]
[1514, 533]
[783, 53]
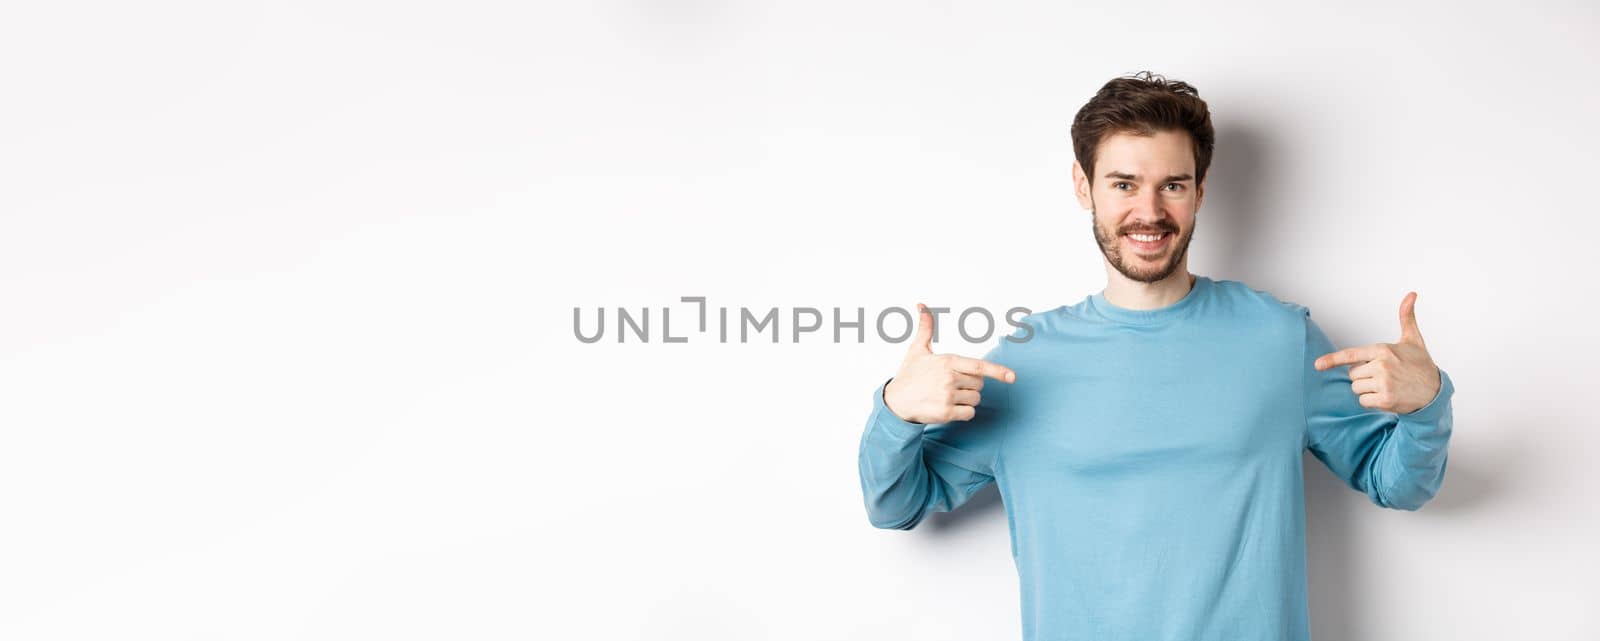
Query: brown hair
[1142, 104]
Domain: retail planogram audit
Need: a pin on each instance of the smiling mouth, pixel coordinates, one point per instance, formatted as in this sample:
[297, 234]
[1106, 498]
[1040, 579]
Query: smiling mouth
[1148, 243]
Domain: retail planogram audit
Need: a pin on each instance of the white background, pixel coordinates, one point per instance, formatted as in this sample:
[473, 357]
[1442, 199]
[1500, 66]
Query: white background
[286, 297]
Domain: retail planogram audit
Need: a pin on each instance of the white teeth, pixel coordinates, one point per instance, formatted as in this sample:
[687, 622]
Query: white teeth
[1148, 238]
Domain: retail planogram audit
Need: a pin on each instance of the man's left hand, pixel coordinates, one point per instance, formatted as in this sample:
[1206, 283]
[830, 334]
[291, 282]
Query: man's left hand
[1395, 377]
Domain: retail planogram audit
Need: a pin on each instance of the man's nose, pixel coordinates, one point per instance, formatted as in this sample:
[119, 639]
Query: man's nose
[1147, 207]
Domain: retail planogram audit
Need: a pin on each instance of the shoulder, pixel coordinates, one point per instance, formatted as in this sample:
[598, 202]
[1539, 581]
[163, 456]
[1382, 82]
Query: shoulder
[1263, 311]
[1243, 298]
[1288, 322]
[1025, 335]
[1032, 329]
[1021, 326]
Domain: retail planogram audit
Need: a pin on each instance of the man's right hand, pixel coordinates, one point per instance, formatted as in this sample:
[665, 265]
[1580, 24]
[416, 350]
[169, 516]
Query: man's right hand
[938, 388]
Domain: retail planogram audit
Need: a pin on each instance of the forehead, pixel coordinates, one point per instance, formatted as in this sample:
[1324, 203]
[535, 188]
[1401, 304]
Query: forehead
[1161, 153]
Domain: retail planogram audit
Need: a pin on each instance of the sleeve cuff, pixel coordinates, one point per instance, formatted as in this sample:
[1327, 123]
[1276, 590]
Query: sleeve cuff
[1435, 408]
[885, 418]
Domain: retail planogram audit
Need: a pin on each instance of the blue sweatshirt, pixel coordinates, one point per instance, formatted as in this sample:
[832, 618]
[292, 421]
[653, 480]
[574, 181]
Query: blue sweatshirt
[1150, 464]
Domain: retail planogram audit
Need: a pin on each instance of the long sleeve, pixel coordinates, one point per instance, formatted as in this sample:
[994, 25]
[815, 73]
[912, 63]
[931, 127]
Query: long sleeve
[1397, 460]
[909, 470]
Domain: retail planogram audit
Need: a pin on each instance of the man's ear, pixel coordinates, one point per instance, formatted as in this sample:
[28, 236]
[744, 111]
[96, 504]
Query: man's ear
[1199, 194]
[1080, 186]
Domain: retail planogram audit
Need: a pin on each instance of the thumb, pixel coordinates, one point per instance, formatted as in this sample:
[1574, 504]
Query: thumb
[922, 343]
[1408, 320]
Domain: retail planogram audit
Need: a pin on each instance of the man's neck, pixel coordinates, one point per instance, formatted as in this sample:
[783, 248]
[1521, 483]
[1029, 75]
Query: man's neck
[1127, 293]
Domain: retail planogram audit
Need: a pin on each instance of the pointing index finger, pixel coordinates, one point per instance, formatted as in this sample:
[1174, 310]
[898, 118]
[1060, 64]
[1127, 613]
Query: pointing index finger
[984, 368]
[1347, 356]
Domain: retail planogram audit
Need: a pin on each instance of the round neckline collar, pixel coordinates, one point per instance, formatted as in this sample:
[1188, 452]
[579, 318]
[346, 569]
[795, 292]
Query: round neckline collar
[1149, 316]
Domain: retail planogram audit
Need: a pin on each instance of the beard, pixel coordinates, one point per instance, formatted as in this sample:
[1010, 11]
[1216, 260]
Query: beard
[1134, 267]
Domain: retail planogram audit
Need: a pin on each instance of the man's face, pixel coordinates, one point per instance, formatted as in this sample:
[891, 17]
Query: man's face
[1144, 198]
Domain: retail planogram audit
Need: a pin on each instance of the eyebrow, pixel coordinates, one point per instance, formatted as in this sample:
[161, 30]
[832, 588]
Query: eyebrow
[1121, 175]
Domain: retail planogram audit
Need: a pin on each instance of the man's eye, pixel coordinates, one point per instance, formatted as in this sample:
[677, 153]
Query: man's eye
[1178, 185]
[1118, 185]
